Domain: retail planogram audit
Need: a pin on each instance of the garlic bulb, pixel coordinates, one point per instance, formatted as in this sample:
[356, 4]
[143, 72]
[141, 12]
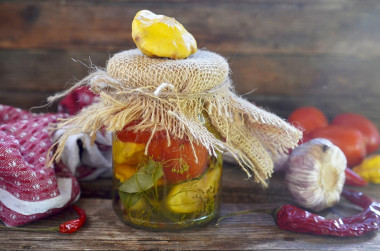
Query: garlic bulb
[315, 175]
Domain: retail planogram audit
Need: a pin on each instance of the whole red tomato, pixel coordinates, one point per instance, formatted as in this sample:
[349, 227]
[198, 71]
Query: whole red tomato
[178, 160]
[308, 119]
[364, 125]
[348, 139]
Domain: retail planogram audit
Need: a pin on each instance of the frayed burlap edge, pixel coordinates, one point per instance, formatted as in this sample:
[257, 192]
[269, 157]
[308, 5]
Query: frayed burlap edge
[252, 135]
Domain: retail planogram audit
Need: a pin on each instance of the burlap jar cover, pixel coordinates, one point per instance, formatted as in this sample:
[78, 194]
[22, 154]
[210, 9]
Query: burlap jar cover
[164, 94]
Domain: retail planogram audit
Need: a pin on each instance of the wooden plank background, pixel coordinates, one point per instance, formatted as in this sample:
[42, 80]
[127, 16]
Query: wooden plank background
[290, 52]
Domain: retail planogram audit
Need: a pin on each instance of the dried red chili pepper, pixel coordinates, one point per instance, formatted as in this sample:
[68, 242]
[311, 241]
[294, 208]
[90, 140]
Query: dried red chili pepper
[66, 227]
[353, 179]
[295, 219]
[74, 225]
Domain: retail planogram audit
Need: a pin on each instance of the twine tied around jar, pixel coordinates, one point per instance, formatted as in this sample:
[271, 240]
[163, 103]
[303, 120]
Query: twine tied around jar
[169, 95]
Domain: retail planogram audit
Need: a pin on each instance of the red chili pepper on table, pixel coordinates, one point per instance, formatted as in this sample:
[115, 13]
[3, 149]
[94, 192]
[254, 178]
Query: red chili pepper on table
[74, 225]
[66, 227]
[295, 219]
[353, 179]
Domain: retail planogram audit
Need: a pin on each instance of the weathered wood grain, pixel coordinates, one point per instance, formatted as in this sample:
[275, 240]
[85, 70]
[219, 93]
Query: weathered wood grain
[27, 100]
[233, 27]
[255, 230]
[265, 75]
[298, 75]
[46, 71]
[279, 83]
[291, 52]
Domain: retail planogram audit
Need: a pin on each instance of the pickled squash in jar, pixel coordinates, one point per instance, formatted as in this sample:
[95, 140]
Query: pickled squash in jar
[166, 186]
[169, 180]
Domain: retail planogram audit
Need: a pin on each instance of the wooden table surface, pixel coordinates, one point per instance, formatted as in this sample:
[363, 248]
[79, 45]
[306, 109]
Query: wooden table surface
[257, 230]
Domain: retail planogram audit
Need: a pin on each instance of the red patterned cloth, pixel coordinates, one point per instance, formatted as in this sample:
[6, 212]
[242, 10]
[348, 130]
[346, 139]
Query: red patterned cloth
[86, 160]
[29, 190]
[76, 100]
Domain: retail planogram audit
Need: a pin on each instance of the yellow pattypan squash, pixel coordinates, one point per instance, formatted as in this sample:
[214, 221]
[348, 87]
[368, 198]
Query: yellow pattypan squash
[162, 36]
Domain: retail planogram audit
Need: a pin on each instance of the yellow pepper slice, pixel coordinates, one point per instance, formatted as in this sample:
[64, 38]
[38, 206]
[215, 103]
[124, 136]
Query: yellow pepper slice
[369, 169]
[127, 152]
[123, 172]
[191, 196]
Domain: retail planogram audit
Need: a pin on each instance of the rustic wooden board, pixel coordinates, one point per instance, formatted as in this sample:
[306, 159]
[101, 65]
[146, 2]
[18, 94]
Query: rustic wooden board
[341, 76]
[39, 71]
[104, 231]
[27, 100]
[233, 27]
[290, 52]
[255, 230]
[280, 83]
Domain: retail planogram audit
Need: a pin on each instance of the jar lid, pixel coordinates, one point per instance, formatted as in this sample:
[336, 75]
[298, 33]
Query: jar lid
[199, 72]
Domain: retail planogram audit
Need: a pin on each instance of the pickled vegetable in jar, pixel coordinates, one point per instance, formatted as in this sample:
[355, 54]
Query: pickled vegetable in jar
[170, 186]
[169, 180]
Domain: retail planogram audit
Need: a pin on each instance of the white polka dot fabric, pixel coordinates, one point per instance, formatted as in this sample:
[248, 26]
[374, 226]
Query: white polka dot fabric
[30, 190]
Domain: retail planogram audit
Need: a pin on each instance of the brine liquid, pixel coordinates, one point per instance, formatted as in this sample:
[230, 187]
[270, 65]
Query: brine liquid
[142, 196]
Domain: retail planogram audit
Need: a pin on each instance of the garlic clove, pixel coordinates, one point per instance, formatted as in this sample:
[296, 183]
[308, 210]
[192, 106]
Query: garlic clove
[315, 175]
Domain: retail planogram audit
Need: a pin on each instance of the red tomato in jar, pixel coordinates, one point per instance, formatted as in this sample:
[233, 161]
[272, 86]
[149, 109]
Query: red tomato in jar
[364, 125]
[127, 135]
[130, 136]
[308, 119]
[348, 139]
[178, 160]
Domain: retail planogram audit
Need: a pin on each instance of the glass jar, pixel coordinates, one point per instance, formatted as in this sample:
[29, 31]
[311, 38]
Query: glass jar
[166, 188]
